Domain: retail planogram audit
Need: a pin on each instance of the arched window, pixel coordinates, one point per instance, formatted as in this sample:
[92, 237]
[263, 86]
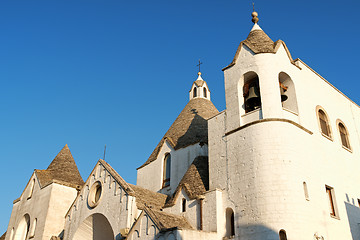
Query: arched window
[324, 123]
[183, 208]
[282, 234]
[344, 135]
[251, 92]
[230, 223]
[194, 92]
[167, 169]
[205, 92]
[23, 228]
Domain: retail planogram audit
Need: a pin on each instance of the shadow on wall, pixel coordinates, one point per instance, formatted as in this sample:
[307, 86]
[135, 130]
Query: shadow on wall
[353, 214]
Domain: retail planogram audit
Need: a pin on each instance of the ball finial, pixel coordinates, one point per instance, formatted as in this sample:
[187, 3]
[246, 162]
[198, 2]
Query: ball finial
[255, 18]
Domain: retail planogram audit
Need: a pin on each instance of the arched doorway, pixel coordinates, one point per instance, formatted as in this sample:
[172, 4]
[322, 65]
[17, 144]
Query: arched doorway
[94, 227]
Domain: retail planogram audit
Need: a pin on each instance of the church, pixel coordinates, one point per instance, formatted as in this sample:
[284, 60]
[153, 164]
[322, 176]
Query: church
[280, 162]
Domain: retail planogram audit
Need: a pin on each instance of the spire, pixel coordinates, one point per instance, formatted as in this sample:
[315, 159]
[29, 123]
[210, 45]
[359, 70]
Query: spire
[199, 88]
[63, 168]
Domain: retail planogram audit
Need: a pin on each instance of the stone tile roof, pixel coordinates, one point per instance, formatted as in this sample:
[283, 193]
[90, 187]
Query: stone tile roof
[190, 127]
[3, 236]
[165, 221]
[259, 42]
[145, 197]
[199, 83]
[195, 182]
[62, 170]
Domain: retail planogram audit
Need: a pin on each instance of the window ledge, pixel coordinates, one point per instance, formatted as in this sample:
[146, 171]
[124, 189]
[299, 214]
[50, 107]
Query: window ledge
[335, 217]
[326, 136]
[348, 149]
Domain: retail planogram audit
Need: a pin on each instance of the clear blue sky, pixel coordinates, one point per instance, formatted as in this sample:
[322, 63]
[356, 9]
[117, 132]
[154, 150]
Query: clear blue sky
[90, 73]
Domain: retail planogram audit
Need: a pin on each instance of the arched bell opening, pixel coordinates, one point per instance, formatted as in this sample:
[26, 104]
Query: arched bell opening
[287, 93]
[94, 227]
[251, 92]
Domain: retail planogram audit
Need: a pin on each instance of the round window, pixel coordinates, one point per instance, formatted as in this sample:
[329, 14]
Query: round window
[94, 194]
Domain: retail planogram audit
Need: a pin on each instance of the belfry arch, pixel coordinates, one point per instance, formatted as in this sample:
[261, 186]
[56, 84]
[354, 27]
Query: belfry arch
[288, 88]
[94, 227]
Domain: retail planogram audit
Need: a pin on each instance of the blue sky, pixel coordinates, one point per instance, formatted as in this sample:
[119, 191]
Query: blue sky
[90, 73]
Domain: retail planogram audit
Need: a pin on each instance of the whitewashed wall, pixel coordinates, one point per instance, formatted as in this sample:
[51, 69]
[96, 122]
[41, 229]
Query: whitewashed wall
[48, 205]
[262, 167]
[115, 205]
[151, 175]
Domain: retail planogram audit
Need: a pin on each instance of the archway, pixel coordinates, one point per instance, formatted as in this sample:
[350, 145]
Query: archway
[94, 227]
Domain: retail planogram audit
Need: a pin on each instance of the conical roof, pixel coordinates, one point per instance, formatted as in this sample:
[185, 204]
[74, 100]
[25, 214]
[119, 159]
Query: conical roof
[63, 169]
[259, 42]
[190, 127]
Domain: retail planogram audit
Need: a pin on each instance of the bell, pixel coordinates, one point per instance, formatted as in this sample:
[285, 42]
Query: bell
[283, 96]
[252, 101]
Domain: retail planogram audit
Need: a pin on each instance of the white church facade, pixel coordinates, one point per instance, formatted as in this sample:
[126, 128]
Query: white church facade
[280, 162]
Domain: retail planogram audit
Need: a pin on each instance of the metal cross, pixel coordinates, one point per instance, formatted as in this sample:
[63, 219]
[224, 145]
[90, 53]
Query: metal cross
[253, 7]
[199, 65]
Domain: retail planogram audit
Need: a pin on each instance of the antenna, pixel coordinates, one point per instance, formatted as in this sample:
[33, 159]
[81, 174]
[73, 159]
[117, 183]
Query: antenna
[253, 7]
[104, 152]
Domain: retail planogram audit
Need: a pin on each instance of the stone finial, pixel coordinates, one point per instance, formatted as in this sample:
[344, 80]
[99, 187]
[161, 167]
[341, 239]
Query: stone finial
[255, 18]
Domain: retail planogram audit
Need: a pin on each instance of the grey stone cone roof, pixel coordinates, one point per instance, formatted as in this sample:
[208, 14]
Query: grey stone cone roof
[259, 42]
[195, 181]
[62, 170]
[190, 127]
[165, 221]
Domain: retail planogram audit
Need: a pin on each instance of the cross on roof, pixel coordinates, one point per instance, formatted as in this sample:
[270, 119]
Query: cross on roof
[199, 64]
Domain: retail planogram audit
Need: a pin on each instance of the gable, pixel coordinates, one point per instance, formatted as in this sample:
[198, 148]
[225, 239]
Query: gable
[29, 188]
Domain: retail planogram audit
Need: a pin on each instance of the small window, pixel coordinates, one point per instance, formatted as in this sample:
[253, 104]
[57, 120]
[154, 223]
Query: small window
[344, 136]
[331, 200]
[230, 223]
[194, 92]
[324, 123]
[167, 169]
[33, 228]
[95, 194]
[282, 234]
[31, 188]
[205, 92]
[183, 209]
[306, 192]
